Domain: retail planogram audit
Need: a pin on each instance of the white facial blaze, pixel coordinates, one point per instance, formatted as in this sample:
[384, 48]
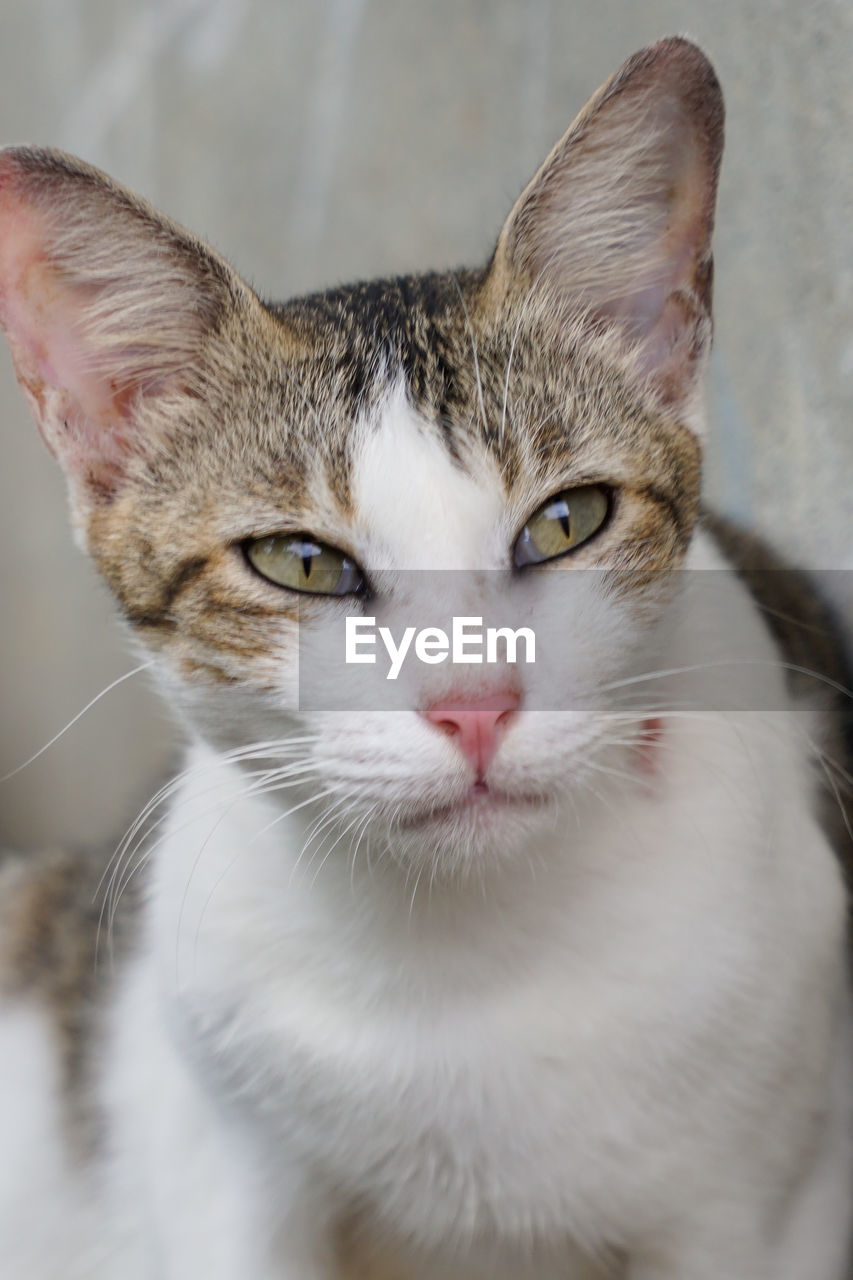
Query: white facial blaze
[420, 509]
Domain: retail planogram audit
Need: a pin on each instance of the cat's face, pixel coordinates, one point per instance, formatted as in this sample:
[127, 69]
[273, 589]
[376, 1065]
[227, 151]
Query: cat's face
[460, 444]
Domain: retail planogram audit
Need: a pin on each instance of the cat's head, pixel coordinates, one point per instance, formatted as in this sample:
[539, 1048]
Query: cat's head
[245, 476]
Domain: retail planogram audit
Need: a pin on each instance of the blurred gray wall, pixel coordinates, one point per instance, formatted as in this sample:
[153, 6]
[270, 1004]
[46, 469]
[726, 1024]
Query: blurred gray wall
[314, 141]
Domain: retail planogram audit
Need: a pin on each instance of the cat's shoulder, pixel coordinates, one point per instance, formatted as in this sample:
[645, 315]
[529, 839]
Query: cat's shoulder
[796, 610]
[57, 959]
[48, 918]
[815, 651]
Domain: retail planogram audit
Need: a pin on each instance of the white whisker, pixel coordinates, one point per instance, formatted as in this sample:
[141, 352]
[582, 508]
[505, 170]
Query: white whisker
[144, 666]
[130, 844]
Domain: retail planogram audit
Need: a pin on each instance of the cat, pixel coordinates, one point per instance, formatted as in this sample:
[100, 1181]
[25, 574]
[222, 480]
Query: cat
[540, 973]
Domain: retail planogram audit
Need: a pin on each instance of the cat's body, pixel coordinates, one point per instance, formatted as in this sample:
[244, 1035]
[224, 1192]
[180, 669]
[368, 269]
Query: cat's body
[454, 995]
[540, 1058]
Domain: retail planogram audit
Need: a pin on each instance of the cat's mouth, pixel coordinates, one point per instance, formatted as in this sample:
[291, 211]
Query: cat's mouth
[480, 800]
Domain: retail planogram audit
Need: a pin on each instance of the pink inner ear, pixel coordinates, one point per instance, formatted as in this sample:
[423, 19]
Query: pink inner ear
[81, 414]
[42, 322]
[618, 221]
[675, 245]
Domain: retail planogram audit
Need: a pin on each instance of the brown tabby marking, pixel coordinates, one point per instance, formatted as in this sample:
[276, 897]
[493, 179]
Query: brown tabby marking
[49, 922]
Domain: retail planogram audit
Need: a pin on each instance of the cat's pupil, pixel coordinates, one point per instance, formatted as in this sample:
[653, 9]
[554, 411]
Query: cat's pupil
[307, 553]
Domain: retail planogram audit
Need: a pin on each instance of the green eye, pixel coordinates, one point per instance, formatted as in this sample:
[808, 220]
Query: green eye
[298, 562]
[561, 524]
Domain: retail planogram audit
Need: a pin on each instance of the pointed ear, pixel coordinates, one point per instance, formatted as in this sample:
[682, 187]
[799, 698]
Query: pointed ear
[106, 305]
[617, 223]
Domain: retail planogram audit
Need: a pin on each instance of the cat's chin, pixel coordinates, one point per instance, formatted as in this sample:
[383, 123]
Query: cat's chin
[480, 804]
[479, 827]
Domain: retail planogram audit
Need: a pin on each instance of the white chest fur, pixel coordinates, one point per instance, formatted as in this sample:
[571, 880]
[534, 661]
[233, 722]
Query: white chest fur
[635, 1028]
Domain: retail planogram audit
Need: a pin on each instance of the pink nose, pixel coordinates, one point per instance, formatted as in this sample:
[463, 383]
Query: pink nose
[476, 723]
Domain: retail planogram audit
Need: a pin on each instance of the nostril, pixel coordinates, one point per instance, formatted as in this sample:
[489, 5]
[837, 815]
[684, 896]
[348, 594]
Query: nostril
[477, 724]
